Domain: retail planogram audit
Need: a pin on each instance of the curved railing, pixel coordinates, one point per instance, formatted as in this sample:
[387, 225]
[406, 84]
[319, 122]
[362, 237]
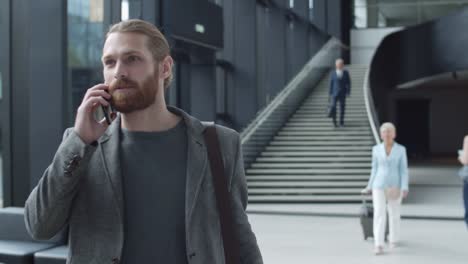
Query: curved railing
[370, 109]
[264, 127]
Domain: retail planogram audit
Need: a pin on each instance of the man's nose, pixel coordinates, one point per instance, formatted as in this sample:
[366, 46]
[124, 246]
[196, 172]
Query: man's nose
[120, 71]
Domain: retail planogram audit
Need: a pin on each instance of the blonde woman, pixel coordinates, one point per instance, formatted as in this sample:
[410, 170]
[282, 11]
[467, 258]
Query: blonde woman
[388, 184]
[463, 158]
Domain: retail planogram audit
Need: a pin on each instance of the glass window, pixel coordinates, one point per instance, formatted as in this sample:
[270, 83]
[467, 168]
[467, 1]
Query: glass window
[291, 3]
[311, 9]
[131, 9]
[85, 40]
[218, 2]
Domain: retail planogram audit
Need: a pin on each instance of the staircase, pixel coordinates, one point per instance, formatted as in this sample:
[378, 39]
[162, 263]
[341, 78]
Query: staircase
[310, 160]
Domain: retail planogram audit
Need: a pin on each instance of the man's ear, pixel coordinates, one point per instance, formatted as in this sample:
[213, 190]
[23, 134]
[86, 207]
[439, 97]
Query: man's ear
[166, 67]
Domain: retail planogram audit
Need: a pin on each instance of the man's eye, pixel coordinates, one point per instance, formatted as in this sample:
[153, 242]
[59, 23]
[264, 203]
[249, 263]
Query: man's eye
[109, 62]
[132, 58]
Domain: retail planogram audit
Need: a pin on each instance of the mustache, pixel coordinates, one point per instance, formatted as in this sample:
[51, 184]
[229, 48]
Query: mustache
[121, 82]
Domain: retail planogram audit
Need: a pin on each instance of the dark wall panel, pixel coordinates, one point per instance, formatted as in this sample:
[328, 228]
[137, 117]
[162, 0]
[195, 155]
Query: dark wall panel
[5, 102]
[301, 8]
[316, 40]
[271, 53]
[447, 126]
[245, 94]
[20, 159]
[37, 120]
[297, 48]
[47, 49]
[320, 12]
[335, 18]
[203, 100]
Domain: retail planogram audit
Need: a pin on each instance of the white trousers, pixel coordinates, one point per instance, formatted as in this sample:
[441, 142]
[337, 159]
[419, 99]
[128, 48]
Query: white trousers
[381, 205]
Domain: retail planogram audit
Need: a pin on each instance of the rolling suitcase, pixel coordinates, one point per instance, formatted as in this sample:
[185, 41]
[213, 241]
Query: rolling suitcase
[366, 216]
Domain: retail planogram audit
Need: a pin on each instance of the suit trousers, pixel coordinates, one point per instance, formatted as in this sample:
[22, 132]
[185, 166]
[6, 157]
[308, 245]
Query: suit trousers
[334, 104]
[381, 205]
[465, 199]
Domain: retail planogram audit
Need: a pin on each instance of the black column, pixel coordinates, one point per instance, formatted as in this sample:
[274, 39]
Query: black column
[5, 105]
[112, 11]
[38, 55]
[335, 18]
[151, 11]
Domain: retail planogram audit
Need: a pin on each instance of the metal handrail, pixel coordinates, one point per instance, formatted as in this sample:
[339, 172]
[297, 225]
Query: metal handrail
[257, 135]
[316, 61]
[370, 108]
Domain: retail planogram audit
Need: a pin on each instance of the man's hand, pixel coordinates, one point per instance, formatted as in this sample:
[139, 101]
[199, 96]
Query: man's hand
[86, 125]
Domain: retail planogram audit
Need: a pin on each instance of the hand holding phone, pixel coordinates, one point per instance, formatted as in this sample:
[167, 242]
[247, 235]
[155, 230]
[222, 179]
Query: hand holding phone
[109, 113]
[86, 126]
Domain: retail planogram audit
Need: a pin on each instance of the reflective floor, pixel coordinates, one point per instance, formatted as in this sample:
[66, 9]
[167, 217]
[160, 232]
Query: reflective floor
[329, 240]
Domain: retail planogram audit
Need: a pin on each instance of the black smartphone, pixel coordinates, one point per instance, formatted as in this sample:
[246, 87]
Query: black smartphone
[108, 111]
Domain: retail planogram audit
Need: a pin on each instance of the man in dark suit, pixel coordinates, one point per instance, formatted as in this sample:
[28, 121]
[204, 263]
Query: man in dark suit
[340, 88]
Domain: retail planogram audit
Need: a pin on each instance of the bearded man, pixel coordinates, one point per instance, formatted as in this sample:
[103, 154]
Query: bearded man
[139, 190]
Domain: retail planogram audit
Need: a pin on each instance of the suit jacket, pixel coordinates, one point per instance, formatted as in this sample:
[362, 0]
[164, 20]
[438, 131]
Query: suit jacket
[82, 190]
[340, 87]
[389, 171]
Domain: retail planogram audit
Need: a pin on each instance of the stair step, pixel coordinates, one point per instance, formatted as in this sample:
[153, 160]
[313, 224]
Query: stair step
[321, 143]
[304, 191]
[348, 149]
[321, 103]
[366, 165]
[316, 154]
[321, 134]
[325, 122]
[323, 111]
[349, 108]
[324, 138]
[346, 129]
[349, 103]
[304, 184]
[325, 160]
[251, 178]
[322, 114]
[322, 118]
[321, 154]
[307, 198]
[331, 171]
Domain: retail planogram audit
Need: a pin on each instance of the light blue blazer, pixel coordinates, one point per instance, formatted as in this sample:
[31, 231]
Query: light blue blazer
[391, 171]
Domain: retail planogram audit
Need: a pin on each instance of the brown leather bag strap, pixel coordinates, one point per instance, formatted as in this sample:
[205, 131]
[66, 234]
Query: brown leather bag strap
[223, 201]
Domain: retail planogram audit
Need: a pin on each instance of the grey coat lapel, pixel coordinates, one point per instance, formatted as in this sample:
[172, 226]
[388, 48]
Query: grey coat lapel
[196, 166]
[197, 160]
[109, 144]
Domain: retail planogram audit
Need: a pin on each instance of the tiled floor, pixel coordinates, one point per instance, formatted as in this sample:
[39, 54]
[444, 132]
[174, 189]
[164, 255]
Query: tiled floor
[329, 240]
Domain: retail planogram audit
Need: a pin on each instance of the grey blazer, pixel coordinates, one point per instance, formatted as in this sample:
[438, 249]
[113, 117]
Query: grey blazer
[82, 190]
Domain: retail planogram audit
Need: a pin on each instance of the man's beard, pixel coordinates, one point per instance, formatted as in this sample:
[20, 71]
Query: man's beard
[135, 97]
